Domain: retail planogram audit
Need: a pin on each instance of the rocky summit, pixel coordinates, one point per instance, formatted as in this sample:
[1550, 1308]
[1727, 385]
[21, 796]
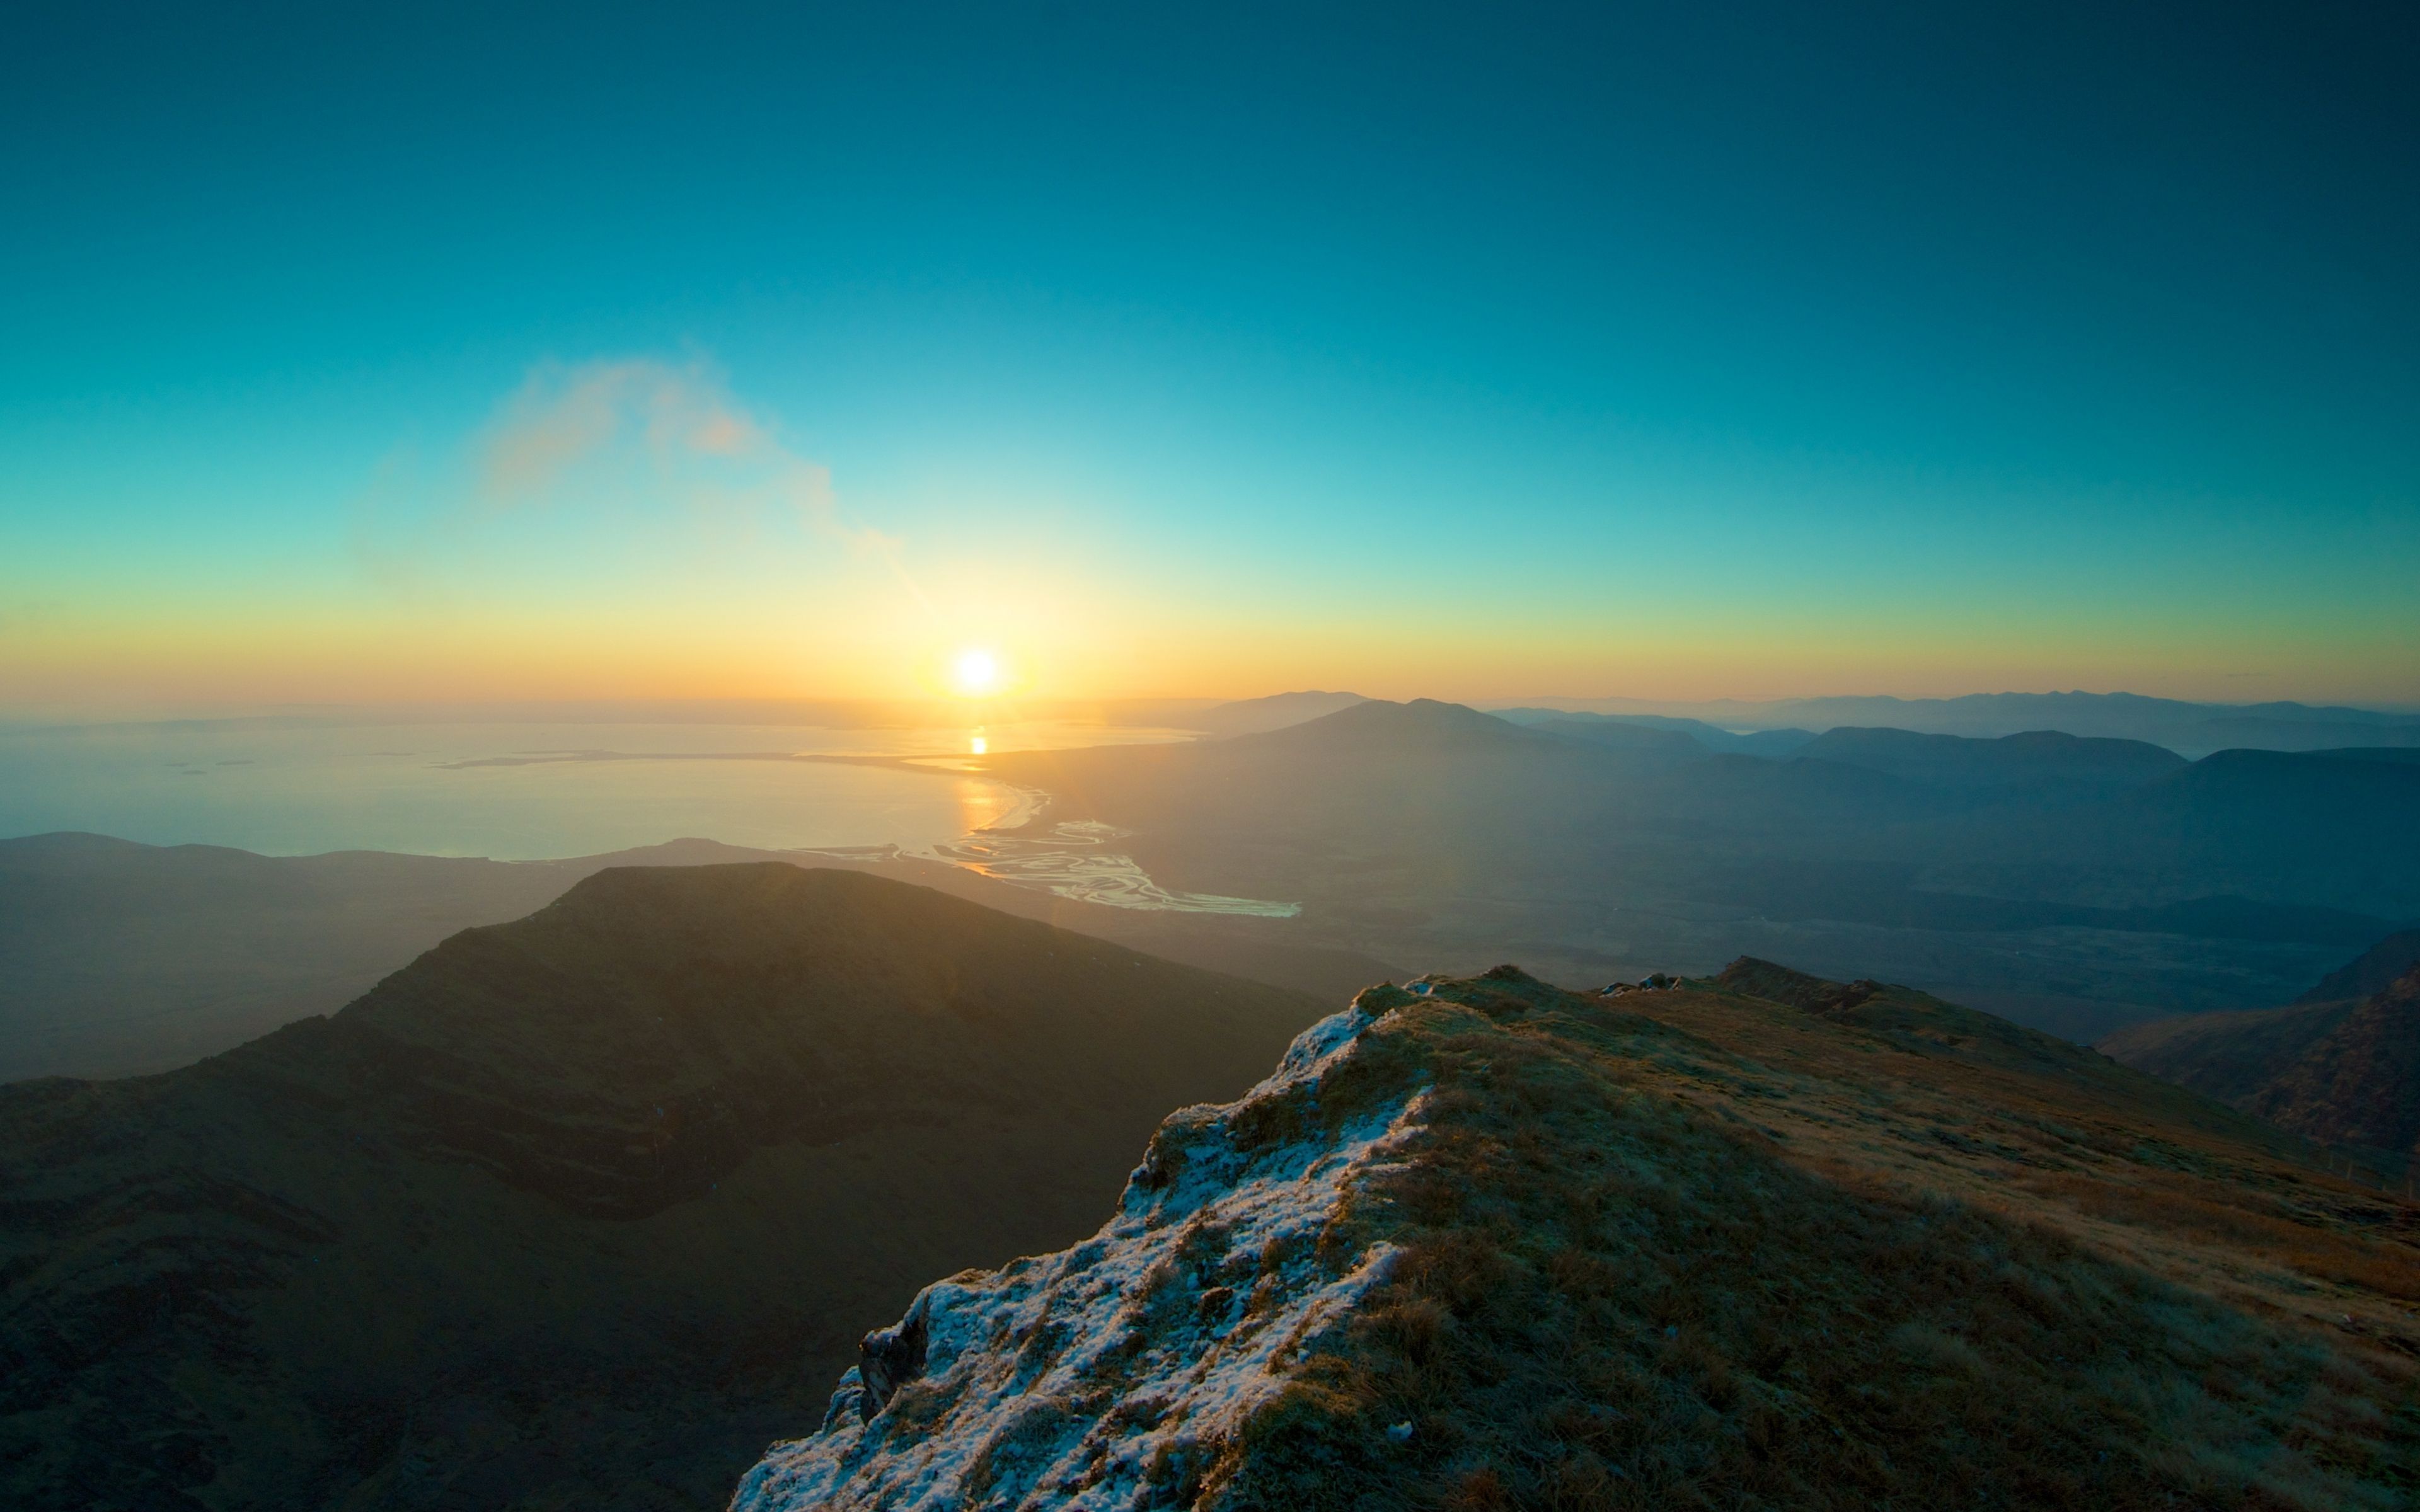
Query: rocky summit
[1757, 1242]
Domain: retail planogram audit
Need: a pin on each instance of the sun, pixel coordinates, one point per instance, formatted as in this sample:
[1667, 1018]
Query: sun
[975, 672]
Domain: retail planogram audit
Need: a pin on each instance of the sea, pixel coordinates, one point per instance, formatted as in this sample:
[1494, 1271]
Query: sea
[541, 791]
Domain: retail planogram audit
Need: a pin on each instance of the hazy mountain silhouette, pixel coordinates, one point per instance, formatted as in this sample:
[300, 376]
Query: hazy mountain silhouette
[2036, 758]
[1608, 728]
[1248, 716]
[2286, 830]
[118, 958]
[575, 1210]
[2190, 728]
[1625, 735]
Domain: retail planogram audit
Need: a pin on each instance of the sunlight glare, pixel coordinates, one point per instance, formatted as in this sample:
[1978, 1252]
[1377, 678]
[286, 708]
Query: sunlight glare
[976, 672]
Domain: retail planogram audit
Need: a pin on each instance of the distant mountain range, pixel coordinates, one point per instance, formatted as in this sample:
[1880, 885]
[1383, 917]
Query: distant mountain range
[2077, 883]
[2192, 730]
[1423, 829]
[1781, 727]
[578, 1211]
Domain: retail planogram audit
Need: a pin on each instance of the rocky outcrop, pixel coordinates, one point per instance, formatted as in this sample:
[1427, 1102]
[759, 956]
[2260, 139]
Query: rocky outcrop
[1103, 1375]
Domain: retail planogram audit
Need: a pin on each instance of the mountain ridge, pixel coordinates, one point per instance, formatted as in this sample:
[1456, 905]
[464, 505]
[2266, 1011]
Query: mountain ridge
[119, 958]
[2341, 1071]
[1481, 1243]
[556, 1214]
[2192, 729]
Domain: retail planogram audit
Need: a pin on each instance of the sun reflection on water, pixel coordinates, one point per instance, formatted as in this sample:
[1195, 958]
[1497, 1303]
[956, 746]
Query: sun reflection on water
[982, 805]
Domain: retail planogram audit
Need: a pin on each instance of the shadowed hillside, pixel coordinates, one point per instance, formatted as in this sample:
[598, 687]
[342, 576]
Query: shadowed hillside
[118, 958]
[2374, 971]
[575, 1210]
[2344, 1073]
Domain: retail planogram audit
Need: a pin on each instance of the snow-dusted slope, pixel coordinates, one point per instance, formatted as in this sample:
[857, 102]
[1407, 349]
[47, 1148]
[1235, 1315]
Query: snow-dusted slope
[1099, 1376]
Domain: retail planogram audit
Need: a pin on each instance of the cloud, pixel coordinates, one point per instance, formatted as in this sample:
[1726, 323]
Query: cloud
[608, 445]
[701, 448]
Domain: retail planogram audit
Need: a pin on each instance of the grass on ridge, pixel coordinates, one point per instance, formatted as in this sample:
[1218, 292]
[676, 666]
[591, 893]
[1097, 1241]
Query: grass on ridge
[1739, 1255]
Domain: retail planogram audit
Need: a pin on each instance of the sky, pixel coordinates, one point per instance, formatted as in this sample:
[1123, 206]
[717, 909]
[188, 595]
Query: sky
[354, 353]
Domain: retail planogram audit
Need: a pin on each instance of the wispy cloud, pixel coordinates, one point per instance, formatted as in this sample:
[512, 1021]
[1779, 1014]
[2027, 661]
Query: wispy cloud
[703, 448]
[660, 435]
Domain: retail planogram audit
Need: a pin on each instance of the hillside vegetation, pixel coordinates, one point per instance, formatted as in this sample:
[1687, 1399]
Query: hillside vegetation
[1763, 1242]
[2342, 1073]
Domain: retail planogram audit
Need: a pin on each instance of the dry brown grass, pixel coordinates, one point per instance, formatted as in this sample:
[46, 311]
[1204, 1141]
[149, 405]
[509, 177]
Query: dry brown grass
[1736, 1257]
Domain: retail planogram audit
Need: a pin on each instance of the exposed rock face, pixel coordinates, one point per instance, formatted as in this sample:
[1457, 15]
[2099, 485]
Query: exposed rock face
[1104, 1375]
[888, 1359]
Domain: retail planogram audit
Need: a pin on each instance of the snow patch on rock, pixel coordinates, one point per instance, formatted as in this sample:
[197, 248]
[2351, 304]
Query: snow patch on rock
[1099, 1376]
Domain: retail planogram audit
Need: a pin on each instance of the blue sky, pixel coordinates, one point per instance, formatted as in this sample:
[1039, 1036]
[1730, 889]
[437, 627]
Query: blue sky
[1479, 352]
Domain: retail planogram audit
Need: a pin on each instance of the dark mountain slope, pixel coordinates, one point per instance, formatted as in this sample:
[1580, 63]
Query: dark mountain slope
[556, 1215]
[2228, 1056]
[2373, 971]
[2341, 1072]
[2360, 1083]
[1482, 1243]
[1923, 1023]
[117, 959]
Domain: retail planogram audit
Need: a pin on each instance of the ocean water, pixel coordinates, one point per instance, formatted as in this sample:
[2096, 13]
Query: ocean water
[518, 791]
